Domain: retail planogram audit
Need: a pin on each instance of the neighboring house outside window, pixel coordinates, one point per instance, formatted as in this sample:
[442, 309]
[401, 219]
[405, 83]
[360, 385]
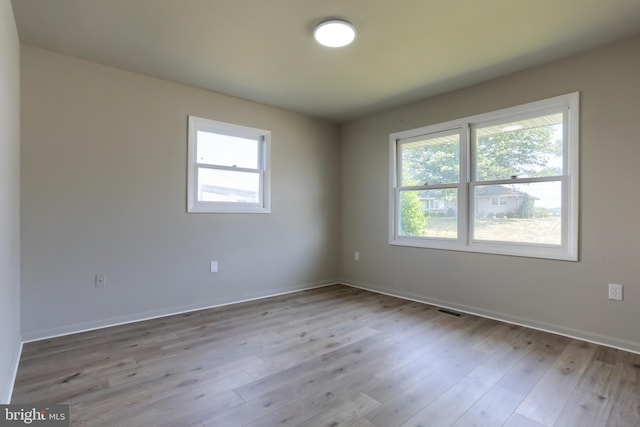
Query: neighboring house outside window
[500, 200]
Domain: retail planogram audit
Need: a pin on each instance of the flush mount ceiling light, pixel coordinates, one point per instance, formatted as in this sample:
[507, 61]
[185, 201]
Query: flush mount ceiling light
[334, 33]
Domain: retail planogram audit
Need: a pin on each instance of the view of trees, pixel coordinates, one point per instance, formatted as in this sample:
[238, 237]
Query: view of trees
[414, 220]
[523, 153]
[500, 154]
[435, 161]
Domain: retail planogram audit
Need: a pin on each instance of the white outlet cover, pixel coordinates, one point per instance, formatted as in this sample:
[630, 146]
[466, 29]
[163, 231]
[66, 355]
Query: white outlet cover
[101, 280]
[214, 266]
[615, 292]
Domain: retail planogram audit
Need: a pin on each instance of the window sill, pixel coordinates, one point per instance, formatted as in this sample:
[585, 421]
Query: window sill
[248, 209]
[557, 253]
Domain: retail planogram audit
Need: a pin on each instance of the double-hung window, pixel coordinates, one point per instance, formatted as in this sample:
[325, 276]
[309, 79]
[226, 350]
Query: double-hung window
[504, 182]
[228, 169]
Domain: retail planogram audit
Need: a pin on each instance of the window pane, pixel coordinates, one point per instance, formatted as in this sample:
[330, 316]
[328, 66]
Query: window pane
[431, 161]
[431, 213]
[525, 148]
[530, 213]
[225, 150]
[228, 186]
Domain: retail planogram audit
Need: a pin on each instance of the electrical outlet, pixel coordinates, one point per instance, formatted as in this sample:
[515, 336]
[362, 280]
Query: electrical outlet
[214, 267]
[101, 280]
[356, 256]
[615, 292]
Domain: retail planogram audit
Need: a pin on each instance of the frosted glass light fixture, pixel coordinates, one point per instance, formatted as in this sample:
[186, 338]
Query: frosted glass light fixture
[334, 33]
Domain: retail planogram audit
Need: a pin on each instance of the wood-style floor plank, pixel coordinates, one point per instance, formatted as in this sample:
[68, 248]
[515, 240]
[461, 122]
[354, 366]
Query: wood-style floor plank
[334, 356]
[545, 402]
[517, 420]
[454, 402]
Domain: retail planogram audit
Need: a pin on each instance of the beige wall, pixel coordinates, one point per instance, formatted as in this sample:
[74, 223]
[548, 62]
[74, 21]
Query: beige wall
[104, 191]
[9, 200]
[567, 297]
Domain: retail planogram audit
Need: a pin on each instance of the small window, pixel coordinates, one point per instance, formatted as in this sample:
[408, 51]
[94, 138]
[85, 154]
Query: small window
[499, 201]
[504, 182]
[228, 167]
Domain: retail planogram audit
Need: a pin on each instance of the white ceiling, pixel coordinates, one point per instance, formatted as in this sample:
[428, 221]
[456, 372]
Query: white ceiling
[263, 50]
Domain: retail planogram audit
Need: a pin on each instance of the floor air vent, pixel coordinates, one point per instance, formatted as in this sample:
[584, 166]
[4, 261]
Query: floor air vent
[449, 312]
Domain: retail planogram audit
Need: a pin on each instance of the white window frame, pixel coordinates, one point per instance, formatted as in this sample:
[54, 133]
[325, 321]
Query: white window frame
[567, 250]
[263, 137]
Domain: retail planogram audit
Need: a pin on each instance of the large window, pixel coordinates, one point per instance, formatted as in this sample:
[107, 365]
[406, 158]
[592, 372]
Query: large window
[228, 167]
[504, 182]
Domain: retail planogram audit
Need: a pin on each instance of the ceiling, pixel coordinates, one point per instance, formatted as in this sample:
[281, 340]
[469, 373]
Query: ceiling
[263, 50]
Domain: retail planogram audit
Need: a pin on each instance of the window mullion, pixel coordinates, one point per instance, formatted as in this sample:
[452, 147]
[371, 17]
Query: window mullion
[463, 185]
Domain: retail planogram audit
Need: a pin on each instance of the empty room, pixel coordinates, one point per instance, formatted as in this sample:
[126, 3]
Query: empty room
[319, 213]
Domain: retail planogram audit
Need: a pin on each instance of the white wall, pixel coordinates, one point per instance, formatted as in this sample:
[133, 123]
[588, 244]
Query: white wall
[9, 200]
[567, 297]
[104, 191]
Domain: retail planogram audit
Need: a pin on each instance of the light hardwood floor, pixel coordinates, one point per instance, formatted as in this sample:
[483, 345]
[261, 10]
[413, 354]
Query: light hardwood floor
[334, 356]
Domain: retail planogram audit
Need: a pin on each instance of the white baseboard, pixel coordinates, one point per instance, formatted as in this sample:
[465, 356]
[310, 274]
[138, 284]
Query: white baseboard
[154, 314]
[625, 345]
[5, 395]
